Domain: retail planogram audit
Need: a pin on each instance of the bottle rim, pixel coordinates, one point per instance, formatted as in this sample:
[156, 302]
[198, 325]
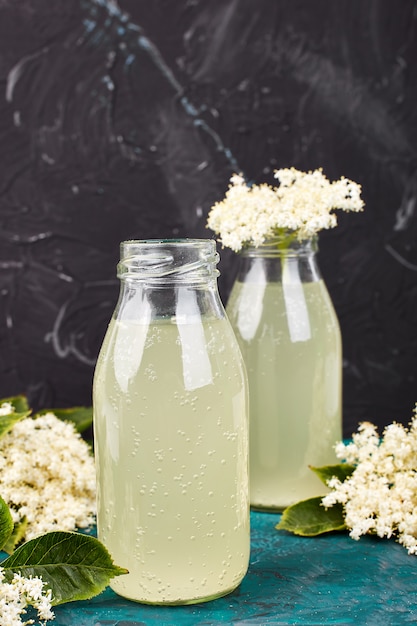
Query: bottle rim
[174, 241]
[172, 260]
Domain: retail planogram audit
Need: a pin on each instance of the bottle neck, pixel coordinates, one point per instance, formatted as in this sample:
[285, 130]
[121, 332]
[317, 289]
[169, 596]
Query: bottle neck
[283, 246]
[278, 259]
[168, 279]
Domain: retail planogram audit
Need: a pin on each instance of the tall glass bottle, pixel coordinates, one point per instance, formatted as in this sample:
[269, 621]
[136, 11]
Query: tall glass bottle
[289, 335]
[171, 429]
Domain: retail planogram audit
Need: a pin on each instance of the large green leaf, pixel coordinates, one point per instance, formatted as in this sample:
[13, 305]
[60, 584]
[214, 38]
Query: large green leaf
[74, 566]
[81, 416]
[6, 523]
[309, 518]
[341, 471]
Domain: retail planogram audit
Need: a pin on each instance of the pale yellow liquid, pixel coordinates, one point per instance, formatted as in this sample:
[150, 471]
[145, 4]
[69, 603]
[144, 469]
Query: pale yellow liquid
[295, 391]
[170, 411]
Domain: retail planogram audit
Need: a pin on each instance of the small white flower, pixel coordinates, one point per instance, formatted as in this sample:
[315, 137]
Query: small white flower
[6, 408]
[302, 204]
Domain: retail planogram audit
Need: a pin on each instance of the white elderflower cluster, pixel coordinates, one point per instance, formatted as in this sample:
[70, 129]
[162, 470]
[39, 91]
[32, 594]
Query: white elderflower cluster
[380, 496]
[47, 475]
[302, 204]
[20, 593]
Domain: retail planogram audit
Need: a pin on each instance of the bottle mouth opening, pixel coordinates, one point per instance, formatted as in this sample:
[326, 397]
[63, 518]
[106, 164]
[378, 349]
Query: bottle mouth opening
[173, 260]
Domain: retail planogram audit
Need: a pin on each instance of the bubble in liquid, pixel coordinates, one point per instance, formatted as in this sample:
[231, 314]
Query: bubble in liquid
[222, 575]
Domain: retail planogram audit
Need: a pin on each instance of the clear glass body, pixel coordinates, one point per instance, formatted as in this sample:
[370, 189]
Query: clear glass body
[170, 401]
[290, 339]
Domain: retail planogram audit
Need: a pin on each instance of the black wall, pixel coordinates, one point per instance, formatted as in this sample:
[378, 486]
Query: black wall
[126, 121]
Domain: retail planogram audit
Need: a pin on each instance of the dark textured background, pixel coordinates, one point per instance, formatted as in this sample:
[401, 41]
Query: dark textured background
[126, 120]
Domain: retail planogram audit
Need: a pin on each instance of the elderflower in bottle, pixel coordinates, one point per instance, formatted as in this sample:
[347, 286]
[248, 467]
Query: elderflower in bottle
[286, 326]
[171, 429]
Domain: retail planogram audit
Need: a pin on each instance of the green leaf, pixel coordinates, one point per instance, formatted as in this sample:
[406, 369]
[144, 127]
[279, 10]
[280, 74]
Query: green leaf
[8, 421]
[20, 411]
[19, 403]
[81, 416]
[341, 471]
[74, 566]
[309, 518]
[18, 533]
[6, 522]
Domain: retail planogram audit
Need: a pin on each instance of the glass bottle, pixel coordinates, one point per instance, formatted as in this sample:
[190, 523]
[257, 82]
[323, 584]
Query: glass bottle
[290, 339]
[171, 429]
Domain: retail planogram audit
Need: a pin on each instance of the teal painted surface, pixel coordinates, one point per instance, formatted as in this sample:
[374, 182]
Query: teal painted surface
[291, 580]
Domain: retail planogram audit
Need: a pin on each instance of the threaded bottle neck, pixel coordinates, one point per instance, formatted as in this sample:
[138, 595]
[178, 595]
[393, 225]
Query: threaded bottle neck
[168, 261]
